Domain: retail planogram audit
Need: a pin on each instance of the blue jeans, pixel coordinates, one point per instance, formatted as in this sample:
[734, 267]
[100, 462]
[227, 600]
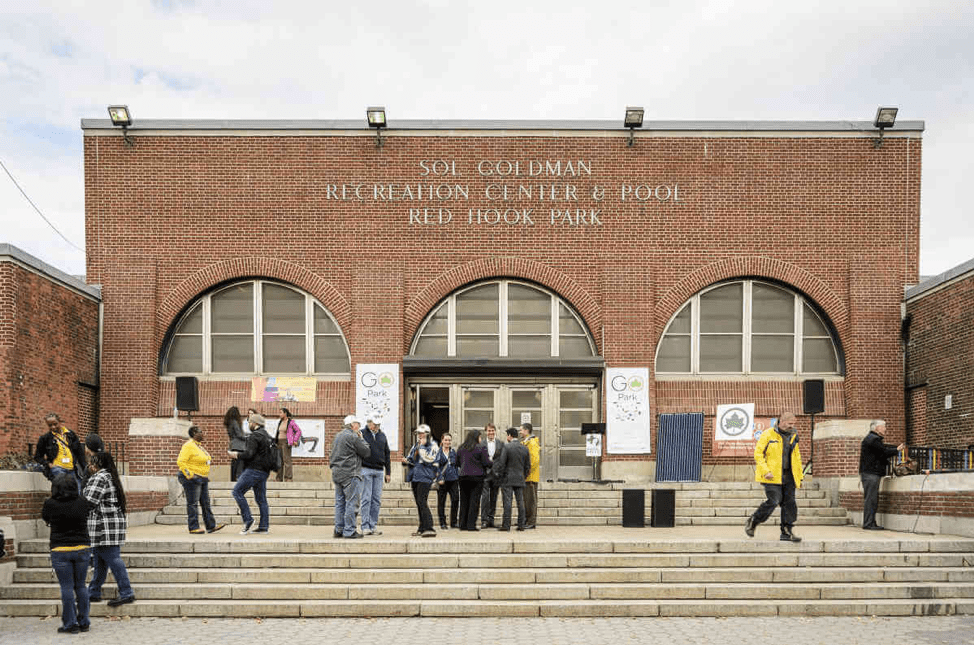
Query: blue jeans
[71, 568]
[57, 471]
[105, 558]
[372, 481]
[346, 505]
[197, 492]
[256, 479]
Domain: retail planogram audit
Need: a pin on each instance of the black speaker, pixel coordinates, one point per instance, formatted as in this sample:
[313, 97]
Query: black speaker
[633, 507]
[187, 394]
[663, 513]
[814, 396]
[593, 428]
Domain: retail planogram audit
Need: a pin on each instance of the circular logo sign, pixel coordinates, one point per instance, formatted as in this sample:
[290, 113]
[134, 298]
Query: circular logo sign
[735, 421]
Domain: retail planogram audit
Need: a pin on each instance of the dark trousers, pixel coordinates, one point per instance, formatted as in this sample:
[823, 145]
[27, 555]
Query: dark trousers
[870, 498]
[236, 468]
[470, 489]
[518, 494]
[197, 493]
[451, 490]
[531, 502]
[421, 493]
[778, 495]
[488, 502]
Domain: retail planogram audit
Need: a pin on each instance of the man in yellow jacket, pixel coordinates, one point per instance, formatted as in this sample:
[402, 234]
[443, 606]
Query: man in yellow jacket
[779, 468]
[531, 481]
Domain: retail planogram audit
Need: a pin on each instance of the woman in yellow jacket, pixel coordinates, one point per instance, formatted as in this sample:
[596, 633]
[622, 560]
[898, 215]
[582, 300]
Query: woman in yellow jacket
[777, 447]
[194, 475]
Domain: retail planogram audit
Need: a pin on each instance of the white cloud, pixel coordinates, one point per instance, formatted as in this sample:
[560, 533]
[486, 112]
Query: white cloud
[723, 59]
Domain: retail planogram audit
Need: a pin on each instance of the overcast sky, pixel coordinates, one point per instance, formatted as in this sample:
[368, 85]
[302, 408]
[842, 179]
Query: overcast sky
[62, 61]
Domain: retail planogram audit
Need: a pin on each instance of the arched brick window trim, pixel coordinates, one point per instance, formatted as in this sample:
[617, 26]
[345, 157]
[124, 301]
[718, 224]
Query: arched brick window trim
[755, 267]
[504, 267]
[252, 268]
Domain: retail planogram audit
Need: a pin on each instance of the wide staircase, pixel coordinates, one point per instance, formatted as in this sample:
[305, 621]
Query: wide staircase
[559, 504]
[552, 571]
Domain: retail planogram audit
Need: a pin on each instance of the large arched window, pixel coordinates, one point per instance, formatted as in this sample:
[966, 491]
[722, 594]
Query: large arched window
[503, 318]
[256, 327]
[748, 327]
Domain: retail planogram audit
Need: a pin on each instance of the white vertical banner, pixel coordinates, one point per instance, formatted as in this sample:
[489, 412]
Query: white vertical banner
[627, 414]
[377, 397]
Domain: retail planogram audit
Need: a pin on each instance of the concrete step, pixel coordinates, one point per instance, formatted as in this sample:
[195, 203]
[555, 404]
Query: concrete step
[498, 608]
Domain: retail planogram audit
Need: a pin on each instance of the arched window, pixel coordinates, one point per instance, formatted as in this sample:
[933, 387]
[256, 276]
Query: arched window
[503, 318]
[748, 327]
[256, 327]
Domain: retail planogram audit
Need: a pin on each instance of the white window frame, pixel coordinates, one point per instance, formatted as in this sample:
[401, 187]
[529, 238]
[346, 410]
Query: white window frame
[310, 303]
[503, 327]
[746, 371]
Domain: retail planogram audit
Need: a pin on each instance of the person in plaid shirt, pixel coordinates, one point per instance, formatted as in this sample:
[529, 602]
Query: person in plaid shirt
[106, 527]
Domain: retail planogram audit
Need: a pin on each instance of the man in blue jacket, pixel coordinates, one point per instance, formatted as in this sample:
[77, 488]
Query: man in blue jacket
[376, 470]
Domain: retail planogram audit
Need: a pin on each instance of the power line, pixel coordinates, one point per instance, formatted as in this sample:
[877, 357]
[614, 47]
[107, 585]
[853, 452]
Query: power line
[38, 210]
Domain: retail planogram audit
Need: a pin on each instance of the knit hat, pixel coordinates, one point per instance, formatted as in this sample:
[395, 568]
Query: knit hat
[255, 420]
[94, 443]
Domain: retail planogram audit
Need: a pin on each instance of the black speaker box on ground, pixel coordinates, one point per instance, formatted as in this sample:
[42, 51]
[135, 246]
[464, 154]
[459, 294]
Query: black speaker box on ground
[187, 394]
[814, 396]
[633, 507]
[664, 508]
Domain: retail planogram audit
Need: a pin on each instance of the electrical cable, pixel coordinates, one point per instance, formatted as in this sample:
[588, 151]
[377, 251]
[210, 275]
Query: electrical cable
[37, 209]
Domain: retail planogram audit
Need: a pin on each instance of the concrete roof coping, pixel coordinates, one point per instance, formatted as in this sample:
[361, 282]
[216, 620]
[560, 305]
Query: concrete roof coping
[11, 252]
[932, 283]
[501, 124]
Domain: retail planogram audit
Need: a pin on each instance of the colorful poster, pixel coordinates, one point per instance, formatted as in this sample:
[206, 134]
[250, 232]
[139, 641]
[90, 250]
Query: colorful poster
[377, 397]
[627, 414]
[274, 389]
[312, 439]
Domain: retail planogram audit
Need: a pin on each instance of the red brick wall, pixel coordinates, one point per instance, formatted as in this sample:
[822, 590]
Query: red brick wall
[175, 216]
[26, 505]
[48, 349]
[941, 354]
[941, 504]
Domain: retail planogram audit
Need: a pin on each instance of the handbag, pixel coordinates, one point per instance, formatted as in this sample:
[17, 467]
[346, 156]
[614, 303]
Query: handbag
[238, 445]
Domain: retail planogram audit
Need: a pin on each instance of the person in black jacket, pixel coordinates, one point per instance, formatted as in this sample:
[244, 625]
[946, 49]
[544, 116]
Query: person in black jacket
[256, 469]
[376, 471]
[60, 451]
[66, 513]
[873, 458]
[233, 422]
[510, 470]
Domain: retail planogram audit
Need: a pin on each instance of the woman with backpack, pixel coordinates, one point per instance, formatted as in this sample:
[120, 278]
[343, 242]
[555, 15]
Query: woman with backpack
[446, 482]
[106, 528]
[258, 462]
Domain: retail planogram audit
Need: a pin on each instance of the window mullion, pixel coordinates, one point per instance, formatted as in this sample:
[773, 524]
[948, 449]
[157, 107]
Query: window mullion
[258, 328]
[799, 332]
[207, 338]
[309, 335]
[695, 335]
[555, 319]
[502, 315]
[451, 326]
[746, 327]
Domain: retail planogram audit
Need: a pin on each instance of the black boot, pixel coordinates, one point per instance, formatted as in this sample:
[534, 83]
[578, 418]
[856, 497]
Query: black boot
[749, 526]
[788, 536]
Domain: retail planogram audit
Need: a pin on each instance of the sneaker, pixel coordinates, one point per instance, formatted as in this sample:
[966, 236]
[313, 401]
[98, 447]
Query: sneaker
[74, 629]
[197, 531]
[416, 534]
[246, 527]
[261, 531]
[354, 536]
[216, 528]
[338, 534]
[115, 602]
[429, 533]
[372, 532]
[84, 628]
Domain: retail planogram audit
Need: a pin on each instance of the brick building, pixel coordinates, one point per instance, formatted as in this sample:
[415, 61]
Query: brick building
[503, 267]
[939, 330]
[48, 349]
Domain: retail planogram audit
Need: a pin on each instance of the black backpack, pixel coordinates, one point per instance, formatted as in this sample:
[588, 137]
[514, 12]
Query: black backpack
[270, 458]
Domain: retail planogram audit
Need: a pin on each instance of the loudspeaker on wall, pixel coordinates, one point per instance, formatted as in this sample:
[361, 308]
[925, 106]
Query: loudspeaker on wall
[187, 394]
[814, 396]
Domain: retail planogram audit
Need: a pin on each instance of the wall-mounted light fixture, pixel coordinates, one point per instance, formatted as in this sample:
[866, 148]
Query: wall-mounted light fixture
[634, 119]
[885, 118]
[377, 119]
[122, 118]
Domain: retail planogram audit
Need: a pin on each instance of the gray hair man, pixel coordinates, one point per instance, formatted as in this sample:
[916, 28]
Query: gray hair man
[873, 459]
[347, 453]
